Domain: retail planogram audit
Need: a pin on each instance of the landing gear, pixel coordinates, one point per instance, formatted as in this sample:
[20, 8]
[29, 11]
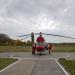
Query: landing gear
[49, 52]
[49, 48]
[33, 50]
[40, 53]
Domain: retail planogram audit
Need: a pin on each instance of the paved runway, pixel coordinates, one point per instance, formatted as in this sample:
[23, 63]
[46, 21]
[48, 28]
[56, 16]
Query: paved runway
[35, 65]
[47, 67]
[54, 55]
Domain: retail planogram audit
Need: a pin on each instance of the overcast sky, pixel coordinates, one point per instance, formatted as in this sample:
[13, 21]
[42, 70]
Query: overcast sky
[19, 17]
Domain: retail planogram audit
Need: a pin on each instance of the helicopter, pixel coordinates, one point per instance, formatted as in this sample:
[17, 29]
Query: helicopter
[40, 45]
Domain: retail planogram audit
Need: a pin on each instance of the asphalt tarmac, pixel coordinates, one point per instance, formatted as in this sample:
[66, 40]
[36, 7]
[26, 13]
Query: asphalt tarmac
[28, 64]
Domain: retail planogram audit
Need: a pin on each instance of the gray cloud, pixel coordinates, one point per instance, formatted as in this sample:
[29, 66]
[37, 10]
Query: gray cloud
[24, 16]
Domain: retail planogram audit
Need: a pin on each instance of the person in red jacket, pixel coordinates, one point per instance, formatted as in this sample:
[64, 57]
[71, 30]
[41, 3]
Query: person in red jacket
[40, 38]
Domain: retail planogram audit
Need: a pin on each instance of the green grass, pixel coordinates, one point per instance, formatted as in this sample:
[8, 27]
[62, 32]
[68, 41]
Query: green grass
[63, 48]
[15, 48]
[5, 62]
[69, 65]
[56, 48]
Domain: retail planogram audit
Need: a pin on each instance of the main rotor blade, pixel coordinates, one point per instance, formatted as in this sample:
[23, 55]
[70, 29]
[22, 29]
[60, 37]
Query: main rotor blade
[24, 35]
[36, 33]
[29, 34]
[59, 36]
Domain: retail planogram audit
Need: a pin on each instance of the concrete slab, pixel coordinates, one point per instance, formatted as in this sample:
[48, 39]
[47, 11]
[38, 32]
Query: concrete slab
[54, 55]
[47, 67]
[34, 67]
[35, 64]
[22, 68]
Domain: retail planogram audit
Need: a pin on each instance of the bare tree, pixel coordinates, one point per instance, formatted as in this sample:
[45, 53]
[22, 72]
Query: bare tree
[4, 39]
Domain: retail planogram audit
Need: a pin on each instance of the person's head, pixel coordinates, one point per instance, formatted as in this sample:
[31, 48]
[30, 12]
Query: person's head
[40, 34]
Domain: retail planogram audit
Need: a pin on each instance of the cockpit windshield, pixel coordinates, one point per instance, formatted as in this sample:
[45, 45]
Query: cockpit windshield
[40, 44]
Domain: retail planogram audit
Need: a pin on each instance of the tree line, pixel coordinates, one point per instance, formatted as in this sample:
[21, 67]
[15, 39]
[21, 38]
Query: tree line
[7, 41]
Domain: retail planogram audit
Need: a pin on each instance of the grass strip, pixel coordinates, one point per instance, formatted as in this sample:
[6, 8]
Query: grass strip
[5, 62]
[69, 65]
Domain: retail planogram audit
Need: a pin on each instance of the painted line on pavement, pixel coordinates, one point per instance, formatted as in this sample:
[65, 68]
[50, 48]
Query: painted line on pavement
[61, 67]
[10, 65]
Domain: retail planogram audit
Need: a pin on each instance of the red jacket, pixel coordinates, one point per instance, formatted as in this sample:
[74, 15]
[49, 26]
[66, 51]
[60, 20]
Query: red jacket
[40, 39]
